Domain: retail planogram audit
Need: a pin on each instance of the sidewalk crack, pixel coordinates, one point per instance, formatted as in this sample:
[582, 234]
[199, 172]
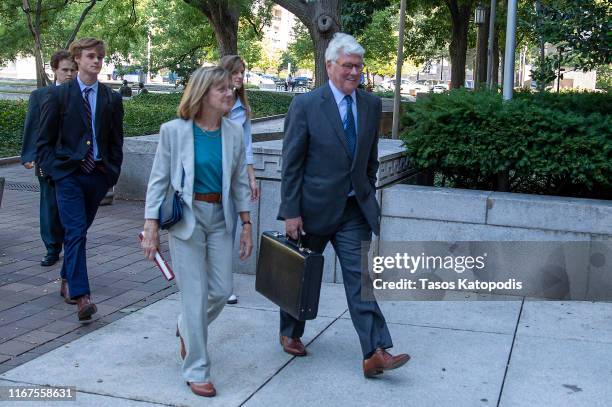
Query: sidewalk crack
[291, 359]
[518, 320]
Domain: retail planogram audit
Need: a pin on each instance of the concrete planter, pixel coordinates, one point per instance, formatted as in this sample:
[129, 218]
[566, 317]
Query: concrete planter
[417, 213]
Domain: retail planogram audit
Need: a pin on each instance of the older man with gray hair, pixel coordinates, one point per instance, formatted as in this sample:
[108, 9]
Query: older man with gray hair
[328, 191]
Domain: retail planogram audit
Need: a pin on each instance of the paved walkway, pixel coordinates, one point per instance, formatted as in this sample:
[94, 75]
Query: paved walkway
[464, 353]
[33, 317]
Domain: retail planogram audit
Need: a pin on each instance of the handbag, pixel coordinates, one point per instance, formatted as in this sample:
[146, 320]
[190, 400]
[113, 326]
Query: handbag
[289, 275]
[171, 209]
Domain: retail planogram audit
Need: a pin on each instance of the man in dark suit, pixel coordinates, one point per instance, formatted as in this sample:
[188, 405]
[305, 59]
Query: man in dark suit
[51, 230]
[328, 191]
[80, 149]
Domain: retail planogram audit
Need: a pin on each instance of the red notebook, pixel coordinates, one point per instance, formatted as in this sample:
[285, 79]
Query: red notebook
[161, 263]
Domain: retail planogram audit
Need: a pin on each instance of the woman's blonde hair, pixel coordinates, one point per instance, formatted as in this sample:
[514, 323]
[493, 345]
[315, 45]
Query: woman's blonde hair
[233, 63]
[200, 83]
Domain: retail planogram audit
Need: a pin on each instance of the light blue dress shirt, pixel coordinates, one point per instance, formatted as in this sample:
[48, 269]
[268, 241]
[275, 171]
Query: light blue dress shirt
[239, 115]
[339, 97]
[342, 105]
[93, 96]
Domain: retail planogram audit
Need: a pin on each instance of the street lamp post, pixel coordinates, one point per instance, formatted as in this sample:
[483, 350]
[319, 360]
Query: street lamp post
[398, 72]
[480, 71]
[510, 50]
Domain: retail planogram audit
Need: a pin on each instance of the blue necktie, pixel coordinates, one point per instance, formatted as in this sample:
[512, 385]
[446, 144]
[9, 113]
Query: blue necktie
[88, 164]
[349, 126]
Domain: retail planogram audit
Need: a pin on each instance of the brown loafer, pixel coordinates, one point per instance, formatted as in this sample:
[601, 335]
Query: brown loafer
[86, 308]
[292, 346]
[203, 389]
[183, 351]
[382, 360]
[65, 293]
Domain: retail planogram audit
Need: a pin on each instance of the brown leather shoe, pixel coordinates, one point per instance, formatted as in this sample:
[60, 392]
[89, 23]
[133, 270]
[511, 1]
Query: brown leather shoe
[292, 346]
[183, 351]
[65, 293]
[203, 389]
[382, 360]
[86, 308]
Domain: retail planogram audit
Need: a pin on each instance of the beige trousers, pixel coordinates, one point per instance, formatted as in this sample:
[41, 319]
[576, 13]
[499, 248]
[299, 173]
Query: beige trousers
[203, 269]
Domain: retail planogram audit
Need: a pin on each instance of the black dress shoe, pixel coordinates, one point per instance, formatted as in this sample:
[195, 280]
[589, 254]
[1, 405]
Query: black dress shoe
[49, 260]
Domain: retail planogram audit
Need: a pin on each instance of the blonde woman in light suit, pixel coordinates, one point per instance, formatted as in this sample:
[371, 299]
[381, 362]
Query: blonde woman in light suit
[209, 148]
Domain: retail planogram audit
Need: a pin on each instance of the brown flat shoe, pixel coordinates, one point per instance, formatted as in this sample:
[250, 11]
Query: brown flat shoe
[86, 308]
[183, 351]
[65, 293]
[202, 389]
[382, 360]
[292, 346]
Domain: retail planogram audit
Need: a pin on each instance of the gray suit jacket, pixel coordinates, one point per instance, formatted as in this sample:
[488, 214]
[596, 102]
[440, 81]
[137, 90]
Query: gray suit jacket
[32, 125]
[175, 152]
[317, 169]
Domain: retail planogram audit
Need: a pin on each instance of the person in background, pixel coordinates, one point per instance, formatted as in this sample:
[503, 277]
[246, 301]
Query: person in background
[125, 90]
[87, 117]
[201, 154]
[241, 114]
[51, 230]
[141, 89]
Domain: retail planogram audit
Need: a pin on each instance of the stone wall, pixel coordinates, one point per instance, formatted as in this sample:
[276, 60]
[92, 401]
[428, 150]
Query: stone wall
[416, 213]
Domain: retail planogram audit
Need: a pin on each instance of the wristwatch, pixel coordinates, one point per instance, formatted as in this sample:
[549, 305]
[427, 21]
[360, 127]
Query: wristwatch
[246, 222]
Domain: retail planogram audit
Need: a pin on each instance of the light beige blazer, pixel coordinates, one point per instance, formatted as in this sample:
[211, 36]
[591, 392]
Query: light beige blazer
[175, 152]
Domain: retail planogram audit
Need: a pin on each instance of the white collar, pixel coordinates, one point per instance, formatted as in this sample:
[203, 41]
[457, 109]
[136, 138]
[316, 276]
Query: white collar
[338, 95]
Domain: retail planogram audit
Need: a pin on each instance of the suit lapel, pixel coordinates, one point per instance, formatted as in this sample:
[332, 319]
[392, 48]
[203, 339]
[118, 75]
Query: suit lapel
[226, 153]
[187, 157]
[77, 96]
[362, 115]
[330, 110]
[101, 102]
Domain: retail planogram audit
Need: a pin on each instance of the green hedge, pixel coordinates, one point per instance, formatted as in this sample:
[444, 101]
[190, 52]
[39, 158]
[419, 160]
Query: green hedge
[554, 144]
[144, 114]
[12, 117]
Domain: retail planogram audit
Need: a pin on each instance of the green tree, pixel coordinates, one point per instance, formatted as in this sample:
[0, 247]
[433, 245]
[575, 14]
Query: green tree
[380, 42]
[29, 27]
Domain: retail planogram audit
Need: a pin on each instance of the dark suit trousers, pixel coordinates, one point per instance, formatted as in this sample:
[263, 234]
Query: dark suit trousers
[78, 197]
[367, 318]
[51, 230]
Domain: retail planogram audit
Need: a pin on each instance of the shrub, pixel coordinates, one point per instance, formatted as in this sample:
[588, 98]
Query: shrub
[143, 115]
[12, 117]
[545, 144]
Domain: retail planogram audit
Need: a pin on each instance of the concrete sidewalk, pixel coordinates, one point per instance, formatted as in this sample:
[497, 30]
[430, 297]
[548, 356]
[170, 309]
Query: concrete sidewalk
[465, 353]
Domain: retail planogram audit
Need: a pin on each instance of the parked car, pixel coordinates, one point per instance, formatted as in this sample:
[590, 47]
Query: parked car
[412, 88]
[302, 82]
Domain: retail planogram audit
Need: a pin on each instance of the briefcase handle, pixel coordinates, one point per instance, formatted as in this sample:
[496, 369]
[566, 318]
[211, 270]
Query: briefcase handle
[295, 243]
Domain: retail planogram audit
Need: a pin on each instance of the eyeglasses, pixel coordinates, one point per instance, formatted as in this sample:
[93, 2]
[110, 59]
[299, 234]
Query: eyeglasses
[348, 67]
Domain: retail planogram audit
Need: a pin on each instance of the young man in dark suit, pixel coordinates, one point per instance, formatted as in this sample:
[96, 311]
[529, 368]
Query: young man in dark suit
[80, 149]
[51, 231]
[328, 191]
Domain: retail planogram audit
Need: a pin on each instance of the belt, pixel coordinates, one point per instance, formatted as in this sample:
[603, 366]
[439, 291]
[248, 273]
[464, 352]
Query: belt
[213, 197]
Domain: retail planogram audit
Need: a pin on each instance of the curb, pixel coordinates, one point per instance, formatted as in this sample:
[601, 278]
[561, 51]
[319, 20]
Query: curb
[10, 160]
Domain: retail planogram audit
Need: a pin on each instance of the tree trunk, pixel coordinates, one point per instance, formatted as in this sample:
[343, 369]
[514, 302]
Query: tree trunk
[460, 16]
[223, 16]
[481, 51]
[322, 18]
[86, 11]
[34, 26]
[495, 74]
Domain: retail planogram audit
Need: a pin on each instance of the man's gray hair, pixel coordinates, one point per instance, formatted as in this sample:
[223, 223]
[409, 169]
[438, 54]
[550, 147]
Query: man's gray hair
[343, 44]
